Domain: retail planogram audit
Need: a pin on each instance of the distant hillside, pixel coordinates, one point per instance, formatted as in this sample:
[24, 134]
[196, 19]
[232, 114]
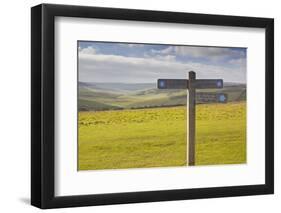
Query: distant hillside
[113, 96]
[91, 105]
[118, 86]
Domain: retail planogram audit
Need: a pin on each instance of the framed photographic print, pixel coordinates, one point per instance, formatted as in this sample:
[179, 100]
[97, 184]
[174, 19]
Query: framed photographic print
[136, 106]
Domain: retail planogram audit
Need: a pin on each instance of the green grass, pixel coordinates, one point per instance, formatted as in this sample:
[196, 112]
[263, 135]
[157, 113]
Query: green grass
[221, 134]
[157, 137]
[132, 138]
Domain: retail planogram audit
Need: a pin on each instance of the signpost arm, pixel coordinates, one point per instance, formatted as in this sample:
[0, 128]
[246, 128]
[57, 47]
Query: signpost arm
[192, 99]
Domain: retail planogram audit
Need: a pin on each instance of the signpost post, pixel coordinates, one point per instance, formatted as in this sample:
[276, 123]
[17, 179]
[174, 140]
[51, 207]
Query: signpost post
[191, 116]
[192, 84]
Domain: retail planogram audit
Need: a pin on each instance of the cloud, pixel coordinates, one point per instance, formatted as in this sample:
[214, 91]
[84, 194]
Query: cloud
[87, 50]
[116, 68]
[166, 57]
[168, 50]
[207, 53]
[238, 62]
[131, 45]
[126, 69]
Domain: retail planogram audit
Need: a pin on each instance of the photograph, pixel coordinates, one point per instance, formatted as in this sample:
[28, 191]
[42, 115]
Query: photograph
[139, 105]
[130, 116]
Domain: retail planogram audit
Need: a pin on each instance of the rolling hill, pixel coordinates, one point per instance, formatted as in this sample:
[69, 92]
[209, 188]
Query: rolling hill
[114, 96]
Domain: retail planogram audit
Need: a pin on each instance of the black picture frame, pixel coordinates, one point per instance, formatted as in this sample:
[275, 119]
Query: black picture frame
[43, 105]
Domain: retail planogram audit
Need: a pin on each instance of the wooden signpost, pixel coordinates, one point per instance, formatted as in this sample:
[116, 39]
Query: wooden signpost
[192, 84]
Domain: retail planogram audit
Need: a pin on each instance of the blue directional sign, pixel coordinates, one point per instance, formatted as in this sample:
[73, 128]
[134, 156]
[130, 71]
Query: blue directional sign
[172, 84]
[184, 84]
[210, 97]
[208, 83]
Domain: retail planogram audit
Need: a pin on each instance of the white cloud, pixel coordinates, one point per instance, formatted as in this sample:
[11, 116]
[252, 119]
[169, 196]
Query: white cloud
[166, 57]
[210, 53]
[87, 50]
[113, 68]
[131, 45]
[167, 50]
[238, 62]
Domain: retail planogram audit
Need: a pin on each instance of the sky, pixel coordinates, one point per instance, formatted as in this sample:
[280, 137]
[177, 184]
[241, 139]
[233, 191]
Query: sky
[144, 63]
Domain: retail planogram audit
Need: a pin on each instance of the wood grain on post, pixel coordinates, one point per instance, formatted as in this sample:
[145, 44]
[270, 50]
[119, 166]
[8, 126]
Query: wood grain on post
[192, 99]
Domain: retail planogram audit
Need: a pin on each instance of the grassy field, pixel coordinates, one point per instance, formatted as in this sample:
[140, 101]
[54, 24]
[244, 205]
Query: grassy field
[221, 134]
[156, 137]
